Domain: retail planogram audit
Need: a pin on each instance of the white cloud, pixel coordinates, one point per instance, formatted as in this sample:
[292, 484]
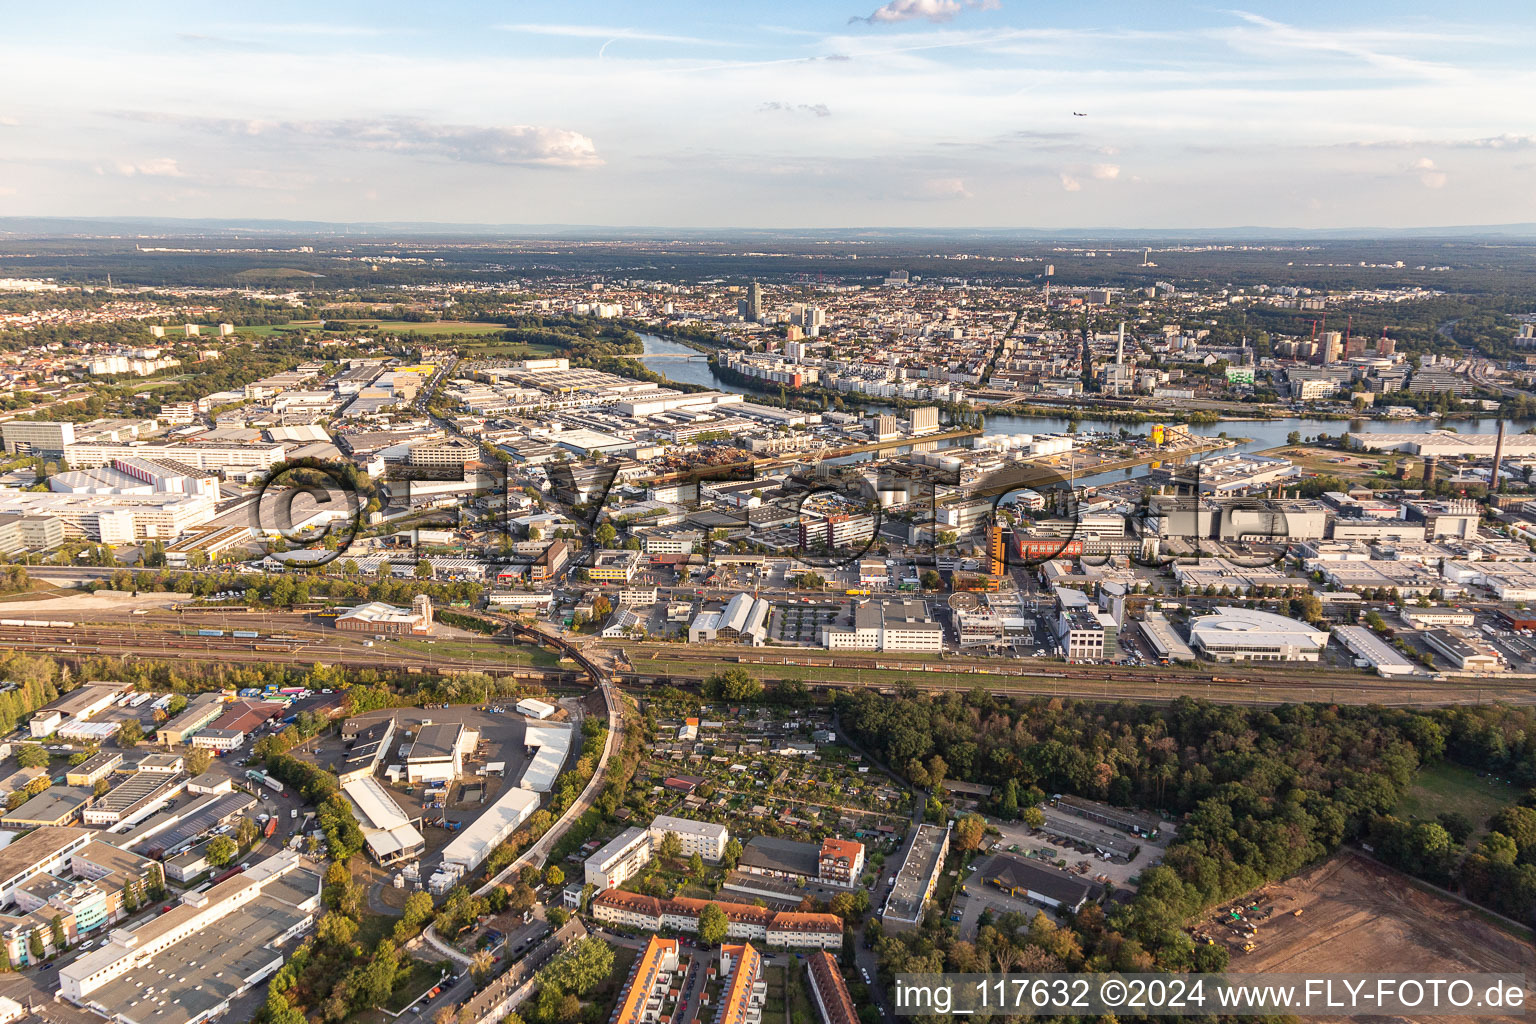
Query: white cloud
[509, 145]
[1070, 184]
[159, 167]
[602, 32]
[1105, 172]
[1429, 175]
[7, 121]
[818, 109]
[913, 10]
[946, 188]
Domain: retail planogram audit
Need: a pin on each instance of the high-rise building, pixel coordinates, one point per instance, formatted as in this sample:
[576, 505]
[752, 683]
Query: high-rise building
[752, 305]
[1332, 346]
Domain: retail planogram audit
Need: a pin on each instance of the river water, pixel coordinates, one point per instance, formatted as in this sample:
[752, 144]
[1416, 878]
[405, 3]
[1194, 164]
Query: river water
[1263, 434]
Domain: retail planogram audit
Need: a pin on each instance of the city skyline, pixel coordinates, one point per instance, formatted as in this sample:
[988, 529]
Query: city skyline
[917, 113]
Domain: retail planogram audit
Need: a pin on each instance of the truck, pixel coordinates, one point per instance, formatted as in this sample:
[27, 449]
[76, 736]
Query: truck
[226, 875]
[270, 829]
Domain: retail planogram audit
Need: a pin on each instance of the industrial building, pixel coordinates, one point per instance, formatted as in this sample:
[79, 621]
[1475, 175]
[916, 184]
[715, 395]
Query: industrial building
[369, 745]
[1461, 651]
[438, 752]
[60, 805]
[1373, 650]
[389, 834]
[548, 746]
[47, 849]
[199, 713]
[470, 847]
[134, 798]
[1028, 880]
[186, 965]
[1246, 634]
[743, 620]
[388, 620]
[535, 709]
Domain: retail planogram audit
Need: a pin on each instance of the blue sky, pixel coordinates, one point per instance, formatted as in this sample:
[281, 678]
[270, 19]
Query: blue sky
[925, 113]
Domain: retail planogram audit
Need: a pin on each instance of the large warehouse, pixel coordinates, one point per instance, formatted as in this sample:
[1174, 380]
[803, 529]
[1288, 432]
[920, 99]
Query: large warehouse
[1245, 634]
[470, 847]
[438, 753]
[387, 620]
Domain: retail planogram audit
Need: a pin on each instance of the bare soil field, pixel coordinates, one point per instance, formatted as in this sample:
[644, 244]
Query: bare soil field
[1360, 917]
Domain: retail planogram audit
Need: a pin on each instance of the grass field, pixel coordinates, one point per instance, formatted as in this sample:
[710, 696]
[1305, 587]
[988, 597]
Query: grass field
[1449, 787]
[487, 651]
[1353, 467]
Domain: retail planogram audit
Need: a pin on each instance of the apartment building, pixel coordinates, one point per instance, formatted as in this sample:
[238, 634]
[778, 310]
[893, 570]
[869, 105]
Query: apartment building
[705, 838]
[619, 860]
[746, 921]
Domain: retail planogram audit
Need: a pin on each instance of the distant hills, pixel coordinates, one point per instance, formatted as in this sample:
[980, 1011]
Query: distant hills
[140, 227]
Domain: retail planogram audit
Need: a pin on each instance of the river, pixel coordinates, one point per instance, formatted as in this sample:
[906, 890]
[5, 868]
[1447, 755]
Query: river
[1262, 434]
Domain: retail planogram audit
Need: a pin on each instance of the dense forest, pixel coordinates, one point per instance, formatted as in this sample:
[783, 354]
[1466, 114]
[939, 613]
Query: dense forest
[1259, 793]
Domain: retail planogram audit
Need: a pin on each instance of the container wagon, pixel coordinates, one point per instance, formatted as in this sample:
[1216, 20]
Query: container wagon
[210, 632]
[246, 634]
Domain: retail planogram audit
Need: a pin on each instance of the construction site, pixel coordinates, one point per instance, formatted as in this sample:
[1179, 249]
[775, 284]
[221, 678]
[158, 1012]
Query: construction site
[1351, 914]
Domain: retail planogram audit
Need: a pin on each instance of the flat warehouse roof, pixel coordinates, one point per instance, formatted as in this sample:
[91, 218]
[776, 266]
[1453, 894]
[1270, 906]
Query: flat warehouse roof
[436, 741]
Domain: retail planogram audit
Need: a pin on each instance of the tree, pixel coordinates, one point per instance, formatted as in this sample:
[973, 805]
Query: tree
[696, 865]
[129, 734]
[713, 925]
[931, 579]
[246, 833]
[32, 755]
[734, 684]
[35, 945]
[101, 789]
[671, 847]
[221, 851]
[423, 570]
[480, 965]
[199, 760]
[553, 875]
[335, 929]
[56, 929]
[970, 830]
[732, 853]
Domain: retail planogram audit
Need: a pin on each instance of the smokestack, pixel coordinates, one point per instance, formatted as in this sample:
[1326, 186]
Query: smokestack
[1431, 463]
[1498, 456]
[1120, 348]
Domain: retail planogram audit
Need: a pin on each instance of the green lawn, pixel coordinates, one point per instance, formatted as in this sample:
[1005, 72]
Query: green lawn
[1448, 787]
[773, 1006]
[802, 1010]
[488, 651]
[409, 985]
[606, 994]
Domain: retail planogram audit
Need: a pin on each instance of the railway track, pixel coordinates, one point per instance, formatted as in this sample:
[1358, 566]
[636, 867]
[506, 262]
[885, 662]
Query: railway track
[1096, 682]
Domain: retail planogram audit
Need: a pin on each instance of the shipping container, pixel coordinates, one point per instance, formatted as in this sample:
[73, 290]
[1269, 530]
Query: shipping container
[210, 632]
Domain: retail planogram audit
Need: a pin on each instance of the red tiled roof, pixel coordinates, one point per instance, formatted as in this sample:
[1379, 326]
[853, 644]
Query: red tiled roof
[832, 989]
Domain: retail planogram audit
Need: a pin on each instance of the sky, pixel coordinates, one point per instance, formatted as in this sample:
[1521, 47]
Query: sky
[828, 114]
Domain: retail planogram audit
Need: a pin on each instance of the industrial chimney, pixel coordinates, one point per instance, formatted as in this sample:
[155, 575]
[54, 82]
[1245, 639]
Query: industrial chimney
[1498, 457]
